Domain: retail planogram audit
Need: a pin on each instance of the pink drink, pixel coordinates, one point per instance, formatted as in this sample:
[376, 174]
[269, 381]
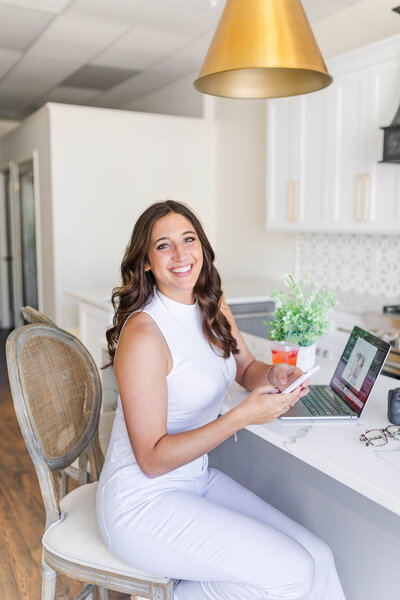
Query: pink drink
[284, 353]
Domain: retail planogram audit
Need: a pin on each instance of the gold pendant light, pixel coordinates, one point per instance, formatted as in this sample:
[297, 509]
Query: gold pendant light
[263, 49]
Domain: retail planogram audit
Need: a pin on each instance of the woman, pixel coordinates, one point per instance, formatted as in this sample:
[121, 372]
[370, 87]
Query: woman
[160, 508]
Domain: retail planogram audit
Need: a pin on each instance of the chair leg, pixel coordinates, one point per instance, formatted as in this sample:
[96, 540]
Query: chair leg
[103, 593]
[162, 592]
[49, 579]
[63, 484]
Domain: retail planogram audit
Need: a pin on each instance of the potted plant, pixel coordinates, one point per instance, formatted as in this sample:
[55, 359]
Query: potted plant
[301, 317]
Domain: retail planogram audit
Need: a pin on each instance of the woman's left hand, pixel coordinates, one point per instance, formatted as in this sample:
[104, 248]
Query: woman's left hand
[282, 375]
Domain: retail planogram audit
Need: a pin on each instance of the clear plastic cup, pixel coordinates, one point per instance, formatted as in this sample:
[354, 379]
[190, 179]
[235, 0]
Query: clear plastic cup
[284, 352]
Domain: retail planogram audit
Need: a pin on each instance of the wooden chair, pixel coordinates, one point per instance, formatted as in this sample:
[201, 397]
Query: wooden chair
[32, 315]
[56, 391]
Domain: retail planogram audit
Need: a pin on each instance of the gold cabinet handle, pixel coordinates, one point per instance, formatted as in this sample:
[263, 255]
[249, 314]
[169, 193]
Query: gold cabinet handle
[296, 200]
[290, 201]
[358, 197]
[366, 199]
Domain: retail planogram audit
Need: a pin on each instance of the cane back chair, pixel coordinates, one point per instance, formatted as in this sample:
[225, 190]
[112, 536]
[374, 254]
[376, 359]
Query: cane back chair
[56, 391]
[32, 315]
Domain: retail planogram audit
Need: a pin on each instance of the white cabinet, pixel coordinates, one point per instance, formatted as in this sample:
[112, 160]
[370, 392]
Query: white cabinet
[323, 149]
[294, 163]
[93, 323]
[285, 136]
[345, 152]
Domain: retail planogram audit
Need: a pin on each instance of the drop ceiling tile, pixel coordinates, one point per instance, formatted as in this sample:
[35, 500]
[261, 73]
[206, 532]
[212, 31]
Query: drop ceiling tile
[188, 60]
[154, 14]
[69, 95]
[73, 38]
[51, 6]
[8, 58]
[9, 113]
[317, 10]
[141, 47]
[10, 102]
[99, 77]
[123, 94]
[33, 76]
[121, 10]
[177, 67]
[213, 6]
[19, 27]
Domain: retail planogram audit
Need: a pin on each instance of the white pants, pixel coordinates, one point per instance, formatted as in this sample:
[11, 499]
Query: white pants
[220, 539]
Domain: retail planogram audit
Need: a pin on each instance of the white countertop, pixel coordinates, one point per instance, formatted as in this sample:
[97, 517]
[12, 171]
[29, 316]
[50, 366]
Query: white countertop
[235, 291]
[333, 447]
[251, 290]
[101, 297]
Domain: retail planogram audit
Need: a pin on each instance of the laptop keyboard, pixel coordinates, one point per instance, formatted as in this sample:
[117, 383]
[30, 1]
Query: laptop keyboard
[320, 402]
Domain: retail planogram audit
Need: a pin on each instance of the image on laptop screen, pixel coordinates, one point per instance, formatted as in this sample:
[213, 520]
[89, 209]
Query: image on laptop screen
[359, 367]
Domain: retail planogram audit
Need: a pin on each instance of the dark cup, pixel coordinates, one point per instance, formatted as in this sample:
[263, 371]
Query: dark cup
[394, 406]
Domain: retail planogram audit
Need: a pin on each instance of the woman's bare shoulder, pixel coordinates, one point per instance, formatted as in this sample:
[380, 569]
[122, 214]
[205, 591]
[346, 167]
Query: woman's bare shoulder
[141, 350]
[140, 326]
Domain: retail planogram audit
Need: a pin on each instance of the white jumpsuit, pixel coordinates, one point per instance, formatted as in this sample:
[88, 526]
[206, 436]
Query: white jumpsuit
[196, 523]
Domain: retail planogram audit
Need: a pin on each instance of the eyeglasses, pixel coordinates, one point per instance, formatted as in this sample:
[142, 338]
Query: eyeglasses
[379, 437]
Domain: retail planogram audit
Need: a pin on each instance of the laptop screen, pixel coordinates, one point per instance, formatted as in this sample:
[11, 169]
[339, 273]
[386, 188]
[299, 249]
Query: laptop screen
[359, 366]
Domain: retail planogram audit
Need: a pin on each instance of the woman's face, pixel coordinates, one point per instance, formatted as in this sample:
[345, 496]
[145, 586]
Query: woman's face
[175, 257]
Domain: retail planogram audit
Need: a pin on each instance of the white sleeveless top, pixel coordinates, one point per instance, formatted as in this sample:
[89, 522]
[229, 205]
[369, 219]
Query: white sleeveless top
[196, 383]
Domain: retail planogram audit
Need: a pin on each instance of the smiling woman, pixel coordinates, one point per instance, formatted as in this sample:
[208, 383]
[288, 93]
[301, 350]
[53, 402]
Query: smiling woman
[176, 351]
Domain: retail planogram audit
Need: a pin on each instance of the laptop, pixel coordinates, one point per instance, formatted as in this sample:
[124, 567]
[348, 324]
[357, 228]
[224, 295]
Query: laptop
[352, 382]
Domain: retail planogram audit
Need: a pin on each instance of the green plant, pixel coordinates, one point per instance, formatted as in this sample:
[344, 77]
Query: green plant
[301, 314]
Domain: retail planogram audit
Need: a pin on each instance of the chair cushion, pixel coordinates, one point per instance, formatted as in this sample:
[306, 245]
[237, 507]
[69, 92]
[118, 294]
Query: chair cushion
[76, 537]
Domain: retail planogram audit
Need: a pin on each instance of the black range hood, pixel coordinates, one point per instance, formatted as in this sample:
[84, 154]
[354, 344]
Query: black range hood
[391, 134]
[391, 141]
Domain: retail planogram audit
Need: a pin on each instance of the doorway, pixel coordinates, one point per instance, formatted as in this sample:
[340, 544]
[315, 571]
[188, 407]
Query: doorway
[19, 265]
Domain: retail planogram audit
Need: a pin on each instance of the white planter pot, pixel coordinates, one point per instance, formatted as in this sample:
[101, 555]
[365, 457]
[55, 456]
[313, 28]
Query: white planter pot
[306, 357]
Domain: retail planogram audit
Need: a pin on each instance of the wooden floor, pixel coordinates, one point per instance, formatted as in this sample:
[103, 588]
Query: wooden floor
[21, 511]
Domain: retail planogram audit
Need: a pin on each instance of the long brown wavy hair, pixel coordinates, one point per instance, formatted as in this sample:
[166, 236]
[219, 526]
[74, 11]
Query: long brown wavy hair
[138, 285]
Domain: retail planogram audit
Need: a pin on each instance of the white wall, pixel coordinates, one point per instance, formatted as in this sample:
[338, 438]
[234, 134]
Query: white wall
[107, 167]
[7, 126]
[245, 249]
[17, 146]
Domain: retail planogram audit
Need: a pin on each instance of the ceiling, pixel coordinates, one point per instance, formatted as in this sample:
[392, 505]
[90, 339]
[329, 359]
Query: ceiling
[105, 52]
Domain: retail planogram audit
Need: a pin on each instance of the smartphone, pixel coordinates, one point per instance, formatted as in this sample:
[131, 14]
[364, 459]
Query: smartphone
[295, 384]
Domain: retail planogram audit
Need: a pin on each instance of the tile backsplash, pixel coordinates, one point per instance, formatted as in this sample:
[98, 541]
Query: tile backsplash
[364, 264]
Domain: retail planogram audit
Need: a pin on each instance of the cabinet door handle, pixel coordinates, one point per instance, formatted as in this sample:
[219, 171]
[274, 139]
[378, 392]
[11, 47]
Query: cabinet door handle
[358, 197]
[366, 199]
[290, 201]
[296, 200]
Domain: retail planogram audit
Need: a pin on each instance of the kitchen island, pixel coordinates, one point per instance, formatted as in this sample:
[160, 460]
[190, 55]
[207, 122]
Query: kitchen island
[323, 476]
[320, 474]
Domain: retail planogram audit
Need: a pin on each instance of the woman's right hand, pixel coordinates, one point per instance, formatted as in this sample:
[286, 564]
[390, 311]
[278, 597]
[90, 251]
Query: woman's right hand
[265, 404]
